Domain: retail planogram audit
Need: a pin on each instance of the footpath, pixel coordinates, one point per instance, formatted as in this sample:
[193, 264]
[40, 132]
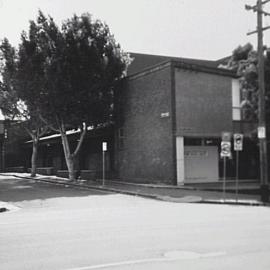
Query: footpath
[184, 194]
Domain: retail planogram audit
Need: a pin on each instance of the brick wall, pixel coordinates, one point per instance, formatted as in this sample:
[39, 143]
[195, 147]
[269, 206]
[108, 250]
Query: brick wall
[203, 103]
[147, 150]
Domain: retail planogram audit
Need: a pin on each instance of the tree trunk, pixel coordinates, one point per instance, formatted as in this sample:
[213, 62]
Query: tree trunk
[71, 158]
[34, 158]
[71, 168]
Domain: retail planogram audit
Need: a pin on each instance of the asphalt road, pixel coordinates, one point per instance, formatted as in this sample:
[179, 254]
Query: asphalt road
[58, 228]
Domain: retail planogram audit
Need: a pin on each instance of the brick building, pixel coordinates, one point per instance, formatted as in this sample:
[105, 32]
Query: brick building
[173, 113]
[170, 114]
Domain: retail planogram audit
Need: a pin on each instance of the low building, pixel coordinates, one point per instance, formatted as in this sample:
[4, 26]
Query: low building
[170, 113]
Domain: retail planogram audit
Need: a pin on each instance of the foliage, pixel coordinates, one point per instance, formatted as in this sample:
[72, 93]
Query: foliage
[15, 80]
[63, 77]
[8, 96]
[244, 61]
[78, 64]
[70, 73]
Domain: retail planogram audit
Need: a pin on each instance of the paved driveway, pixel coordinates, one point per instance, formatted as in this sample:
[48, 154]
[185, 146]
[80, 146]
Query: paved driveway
[64, 228]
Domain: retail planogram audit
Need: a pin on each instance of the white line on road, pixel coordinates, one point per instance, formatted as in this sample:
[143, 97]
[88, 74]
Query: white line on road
[184, 256]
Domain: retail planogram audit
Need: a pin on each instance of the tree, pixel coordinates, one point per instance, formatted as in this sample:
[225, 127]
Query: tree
[244, 61]
[79, 66]
[14, 79]
[8, 97]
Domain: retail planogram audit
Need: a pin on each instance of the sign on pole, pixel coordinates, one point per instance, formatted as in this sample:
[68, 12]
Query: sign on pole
[104, 149]
[261, 132]
[225, 152]
[238, 142]
[226, 136]
[225, 149]
[104, 146]
[238, 146]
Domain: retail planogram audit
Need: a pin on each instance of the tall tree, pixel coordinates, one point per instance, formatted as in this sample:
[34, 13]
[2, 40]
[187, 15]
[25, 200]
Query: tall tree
[8, 97]
[244, 61]
[81, 62]
[14, 79]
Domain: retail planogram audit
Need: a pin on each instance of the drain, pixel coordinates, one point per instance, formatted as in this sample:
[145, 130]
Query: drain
[3, 209]
[7, 207]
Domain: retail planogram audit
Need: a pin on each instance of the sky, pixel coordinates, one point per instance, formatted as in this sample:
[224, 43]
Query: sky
[203, 29]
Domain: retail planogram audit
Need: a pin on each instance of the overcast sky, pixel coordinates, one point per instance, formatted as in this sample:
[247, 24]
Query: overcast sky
[207, 29]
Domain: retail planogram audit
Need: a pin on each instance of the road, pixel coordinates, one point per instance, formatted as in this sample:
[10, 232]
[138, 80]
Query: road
[58, 228]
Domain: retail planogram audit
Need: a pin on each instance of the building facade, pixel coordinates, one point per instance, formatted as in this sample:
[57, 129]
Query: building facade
[173, 115]
[170, 113]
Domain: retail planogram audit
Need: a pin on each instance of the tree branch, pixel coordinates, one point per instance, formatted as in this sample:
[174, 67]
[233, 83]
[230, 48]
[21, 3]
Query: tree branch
[64, 140]
[29, 132]
[84, 129]
[44, 131]
[47, 124]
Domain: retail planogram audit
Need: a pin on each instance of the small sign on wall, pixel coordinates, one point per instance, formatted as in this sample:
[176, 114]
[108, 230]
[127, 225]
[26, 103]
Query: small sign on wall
[196, 153]
[165, 115]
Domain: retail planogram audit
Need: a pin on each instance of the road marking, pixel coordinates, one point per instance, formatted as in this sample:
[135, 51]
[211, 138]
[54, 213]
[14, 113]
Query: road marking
[21, 187]
[170, 256]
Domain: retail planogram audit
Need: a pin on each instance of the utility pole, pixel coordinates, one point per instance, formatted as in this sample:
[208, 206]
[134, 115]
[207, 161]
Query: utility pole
[258, 8]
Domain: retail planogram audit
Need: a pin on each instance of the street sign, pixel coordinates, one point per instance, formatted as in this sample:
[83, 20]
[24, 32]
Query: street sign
[104, 146]
[238, 142]
[261, 132]
[225, 149]
[226, 136]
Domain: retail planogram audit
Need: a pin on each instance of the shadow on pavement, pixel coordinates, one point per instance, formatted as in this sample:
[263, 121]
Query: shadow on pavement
[15, 190]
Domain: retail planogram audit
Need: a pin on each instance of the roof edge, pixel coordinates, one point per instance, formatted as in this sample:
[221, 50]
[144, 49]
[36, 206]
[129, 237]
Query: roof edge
[206, 69]
[183, 65]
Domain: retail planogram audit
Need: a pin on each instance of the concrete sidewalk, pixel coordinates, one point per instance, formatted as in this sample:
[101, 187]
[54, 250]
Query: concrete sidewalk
[161, 192]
